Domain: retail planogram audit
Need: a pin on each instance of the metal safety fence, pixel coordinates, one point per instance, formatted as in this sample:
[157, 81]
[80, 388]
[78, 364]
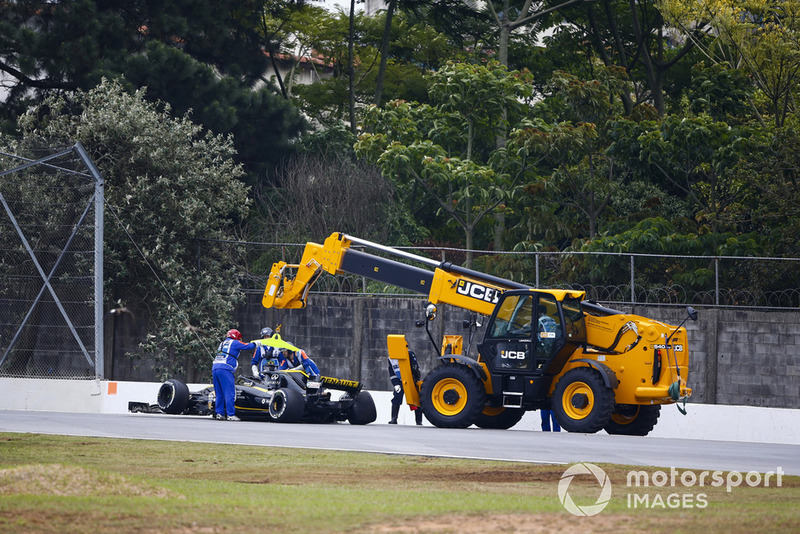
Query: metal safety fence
[51, 264]
[614, 278]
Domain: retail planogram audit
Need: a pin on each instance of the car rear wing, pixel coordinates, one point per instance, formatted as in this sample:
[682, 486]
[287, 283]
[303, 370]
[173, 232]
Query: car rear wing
[350, 386]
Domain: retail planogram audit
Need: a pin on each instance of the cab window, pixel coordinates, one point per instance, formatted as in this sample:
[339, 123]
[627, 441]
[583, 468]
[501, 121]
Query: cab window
[513, 319]
[548, 324]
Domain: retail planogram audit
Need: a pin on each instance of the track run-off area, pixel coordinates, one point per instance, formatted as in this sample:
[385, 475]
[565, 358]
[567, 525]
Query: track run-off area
[518, 446]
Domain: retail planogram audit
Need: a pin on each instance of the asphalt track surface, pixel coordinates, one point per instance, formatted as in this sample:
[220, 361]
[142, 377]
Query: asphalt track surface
[524, 446]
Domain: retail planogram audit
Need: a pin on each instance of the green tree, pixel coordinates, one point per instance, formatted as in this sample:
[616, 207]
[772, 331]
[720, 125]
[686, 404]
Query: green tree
[693, 158]
[631, 35]
[760, 36]
[576, 174]
[510, 16]
[724, 93]
[447, 148]
[771, 168]
[201, 56]
[167, 185]
[413, 48]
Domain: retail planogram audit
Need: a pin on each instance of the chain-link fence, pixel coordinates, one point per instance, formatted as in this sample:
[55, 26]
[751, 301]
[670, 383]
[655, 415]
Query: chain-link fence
[50, 264]
[614, 278]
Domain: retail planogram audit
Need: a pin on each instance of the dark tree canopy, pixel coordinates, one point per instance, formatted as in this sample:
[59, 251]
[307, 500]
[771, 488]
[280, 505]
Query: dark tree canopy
[199, 55]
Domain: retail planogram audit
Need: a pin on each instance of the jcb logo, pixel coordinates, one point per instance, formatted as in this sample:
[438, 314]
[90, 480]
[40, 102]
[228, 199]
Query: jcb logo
[676, 348]
[478, 291]
[513, 354]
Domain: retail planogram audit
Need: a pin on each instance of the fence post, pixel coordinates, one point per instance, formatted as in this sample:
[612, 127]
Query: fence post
[359, 304]
[712, 355]
[633, 292]
[536, 255]
[99, 201]
[716, 281]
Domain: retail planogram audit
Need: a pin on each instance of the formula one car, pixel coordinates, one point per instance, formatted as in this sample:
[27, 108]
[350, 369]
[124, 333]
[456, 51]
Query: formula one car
[288, 396]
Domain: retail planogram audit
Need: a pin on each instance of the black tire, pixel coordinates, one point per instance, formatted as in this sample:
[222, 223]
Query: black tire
[500, 418]
[287, 406]
[633, 419]
[582, 402]
[173, 396]
[452, 396]
[363, 411]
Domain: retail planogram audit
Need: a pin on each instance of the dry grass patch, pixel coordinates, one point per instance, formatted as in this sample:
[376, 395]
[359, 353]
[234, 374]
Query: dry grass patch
[511, 523]
[64, 480]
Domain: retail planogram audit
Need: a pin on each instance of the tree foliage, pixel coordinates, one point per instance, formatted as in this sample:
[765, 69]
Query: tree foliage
[447, 149]
[167, 184]
[201, 56]
[413, 48]
[759, 36]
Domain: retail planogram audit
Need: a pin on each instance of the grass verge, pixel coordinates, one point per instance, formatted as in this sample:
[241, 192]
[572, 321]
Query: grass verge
[72, 484]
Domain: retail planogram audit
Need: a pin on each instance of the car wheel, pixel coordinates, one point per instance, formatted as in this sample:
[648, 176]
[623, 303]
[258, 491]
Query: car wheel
[633, 420]
[287, 406]
[363, 411]
[582, 402]
[500, 418]
[452, 396]
[173, 396]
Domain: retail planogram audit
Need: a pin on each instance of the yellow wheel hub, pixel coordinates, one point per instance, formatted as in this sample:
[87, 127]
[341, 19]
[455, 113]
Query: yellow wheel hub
[449, 396]
[578, 400]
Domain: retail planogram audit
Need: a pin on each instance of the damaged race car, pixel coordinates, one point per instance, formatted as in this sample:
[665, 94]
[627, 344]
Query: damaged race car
[282, 396]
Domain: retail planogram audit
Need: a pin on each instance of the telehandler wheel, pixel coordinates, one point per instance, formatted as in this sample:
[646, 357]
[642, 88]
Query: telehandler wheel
[452, 396]
[502, 418]
[582, 402]
[633, 419]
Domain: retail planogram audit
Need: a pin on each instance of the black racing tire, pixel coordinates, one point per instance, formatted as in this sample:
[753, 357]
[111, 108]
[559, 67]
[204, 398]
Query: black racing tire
[452, 396]
[362, 411]
[287, 406]
[173, 397]
[499, 418]
[582, 402]
[633, 419]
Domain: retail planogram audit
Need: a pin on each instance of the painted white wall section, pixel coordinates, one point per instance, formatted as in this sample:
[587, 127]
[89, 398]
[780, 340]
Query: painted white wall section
[704, 421]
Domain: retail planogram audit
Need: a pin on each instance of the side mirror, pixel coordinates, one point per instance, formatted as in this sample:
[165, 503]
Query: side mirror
[430, 312]
[692, 313]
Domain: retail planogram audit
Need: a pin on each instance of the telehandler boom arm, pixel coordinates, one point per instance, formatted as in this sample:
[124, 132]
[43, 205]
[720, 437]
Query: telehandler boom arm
[288, 284]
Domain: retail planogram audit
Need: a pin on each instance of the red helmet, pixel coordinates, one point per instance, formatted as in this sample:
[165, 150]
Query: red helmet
[234, 334]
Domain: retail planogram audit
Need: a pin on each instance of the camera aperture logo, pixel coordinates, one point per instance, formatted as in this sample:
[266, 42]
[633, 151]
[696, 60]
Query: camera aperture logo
[603, 499]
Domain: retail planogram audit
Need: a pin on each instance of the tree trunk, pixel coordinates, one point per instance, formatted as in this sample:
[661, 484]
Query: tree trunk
[470, 238]
[387, 30]
[351, 69]
[499, 229]
[654, 76]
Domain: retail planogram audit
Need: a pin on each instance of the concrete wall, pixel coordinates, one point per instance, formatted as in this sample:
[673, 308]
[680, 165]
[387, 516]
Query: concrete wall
[738, 356]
